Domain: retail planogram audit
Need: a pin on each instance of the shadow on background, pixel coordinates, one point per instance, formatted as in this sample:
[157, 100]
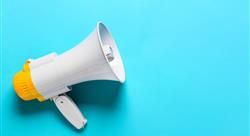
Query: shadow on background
[102, 93]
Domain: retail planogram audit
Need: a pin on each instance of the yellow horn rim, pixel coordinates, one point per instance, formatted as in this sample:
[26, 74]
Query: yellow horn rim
[24, 86]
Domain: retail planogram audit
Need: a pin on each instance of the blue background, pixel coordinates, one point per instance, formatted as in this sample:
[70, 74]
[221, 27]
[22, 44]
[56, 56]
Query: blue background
[186, 66]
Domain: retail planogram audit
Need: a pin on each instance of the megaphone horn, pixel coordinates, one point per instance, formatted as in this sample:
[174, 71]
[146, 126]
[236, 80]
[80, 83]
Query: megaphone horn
[50, 77]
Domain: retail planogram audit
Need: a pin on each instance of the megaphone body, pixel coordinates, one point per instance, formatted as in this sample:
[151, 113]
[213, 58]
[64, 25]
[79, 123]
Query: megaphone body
[50, 77]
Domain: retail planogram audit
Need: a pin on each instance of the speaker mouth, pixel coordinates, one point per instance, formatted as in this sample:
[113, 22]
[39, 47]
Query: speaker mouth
[111, 52]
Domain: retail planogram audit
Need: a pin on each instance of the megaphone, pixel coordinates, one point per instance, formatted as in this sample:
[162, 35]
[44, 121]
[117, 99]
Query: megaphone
[51, 76]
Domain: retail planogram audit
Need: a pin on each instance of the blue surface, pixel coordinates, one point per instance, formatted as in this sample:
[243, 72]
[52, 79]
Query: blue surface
[186, 65]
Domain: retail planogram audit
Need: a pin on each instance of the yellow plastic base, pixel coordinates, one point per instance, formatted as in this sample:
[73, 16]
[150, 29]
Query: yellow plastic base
[24, 86]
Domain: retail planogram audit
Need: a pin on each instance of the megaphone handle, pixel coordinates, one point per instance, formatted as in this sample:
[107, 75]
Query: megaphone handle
[69, 110]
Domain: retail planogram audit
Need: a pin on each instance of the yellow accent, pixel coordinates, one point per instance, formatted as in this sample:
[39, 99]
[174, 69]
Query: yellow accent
[24, 86]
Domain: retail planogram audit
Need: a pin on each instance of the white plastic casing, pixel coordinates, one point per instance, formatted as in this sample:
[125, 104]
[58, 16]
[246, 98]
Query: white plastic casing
[70, 111]
[52, 74]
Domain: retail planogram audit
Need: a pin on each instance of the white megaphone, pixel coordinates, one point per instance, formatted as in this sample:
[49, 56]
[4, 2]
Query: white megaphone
[49, 77]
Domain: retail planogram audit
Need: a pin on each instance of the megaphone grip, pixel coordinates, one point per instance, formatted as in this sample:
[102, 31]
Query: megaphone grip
[70, 110]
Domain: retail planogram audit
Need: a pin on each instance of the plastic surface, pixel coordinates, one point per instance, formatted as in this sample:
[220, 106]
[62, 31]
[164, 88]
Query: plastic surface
[69, 110]
[85, 62]
[24, 86]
